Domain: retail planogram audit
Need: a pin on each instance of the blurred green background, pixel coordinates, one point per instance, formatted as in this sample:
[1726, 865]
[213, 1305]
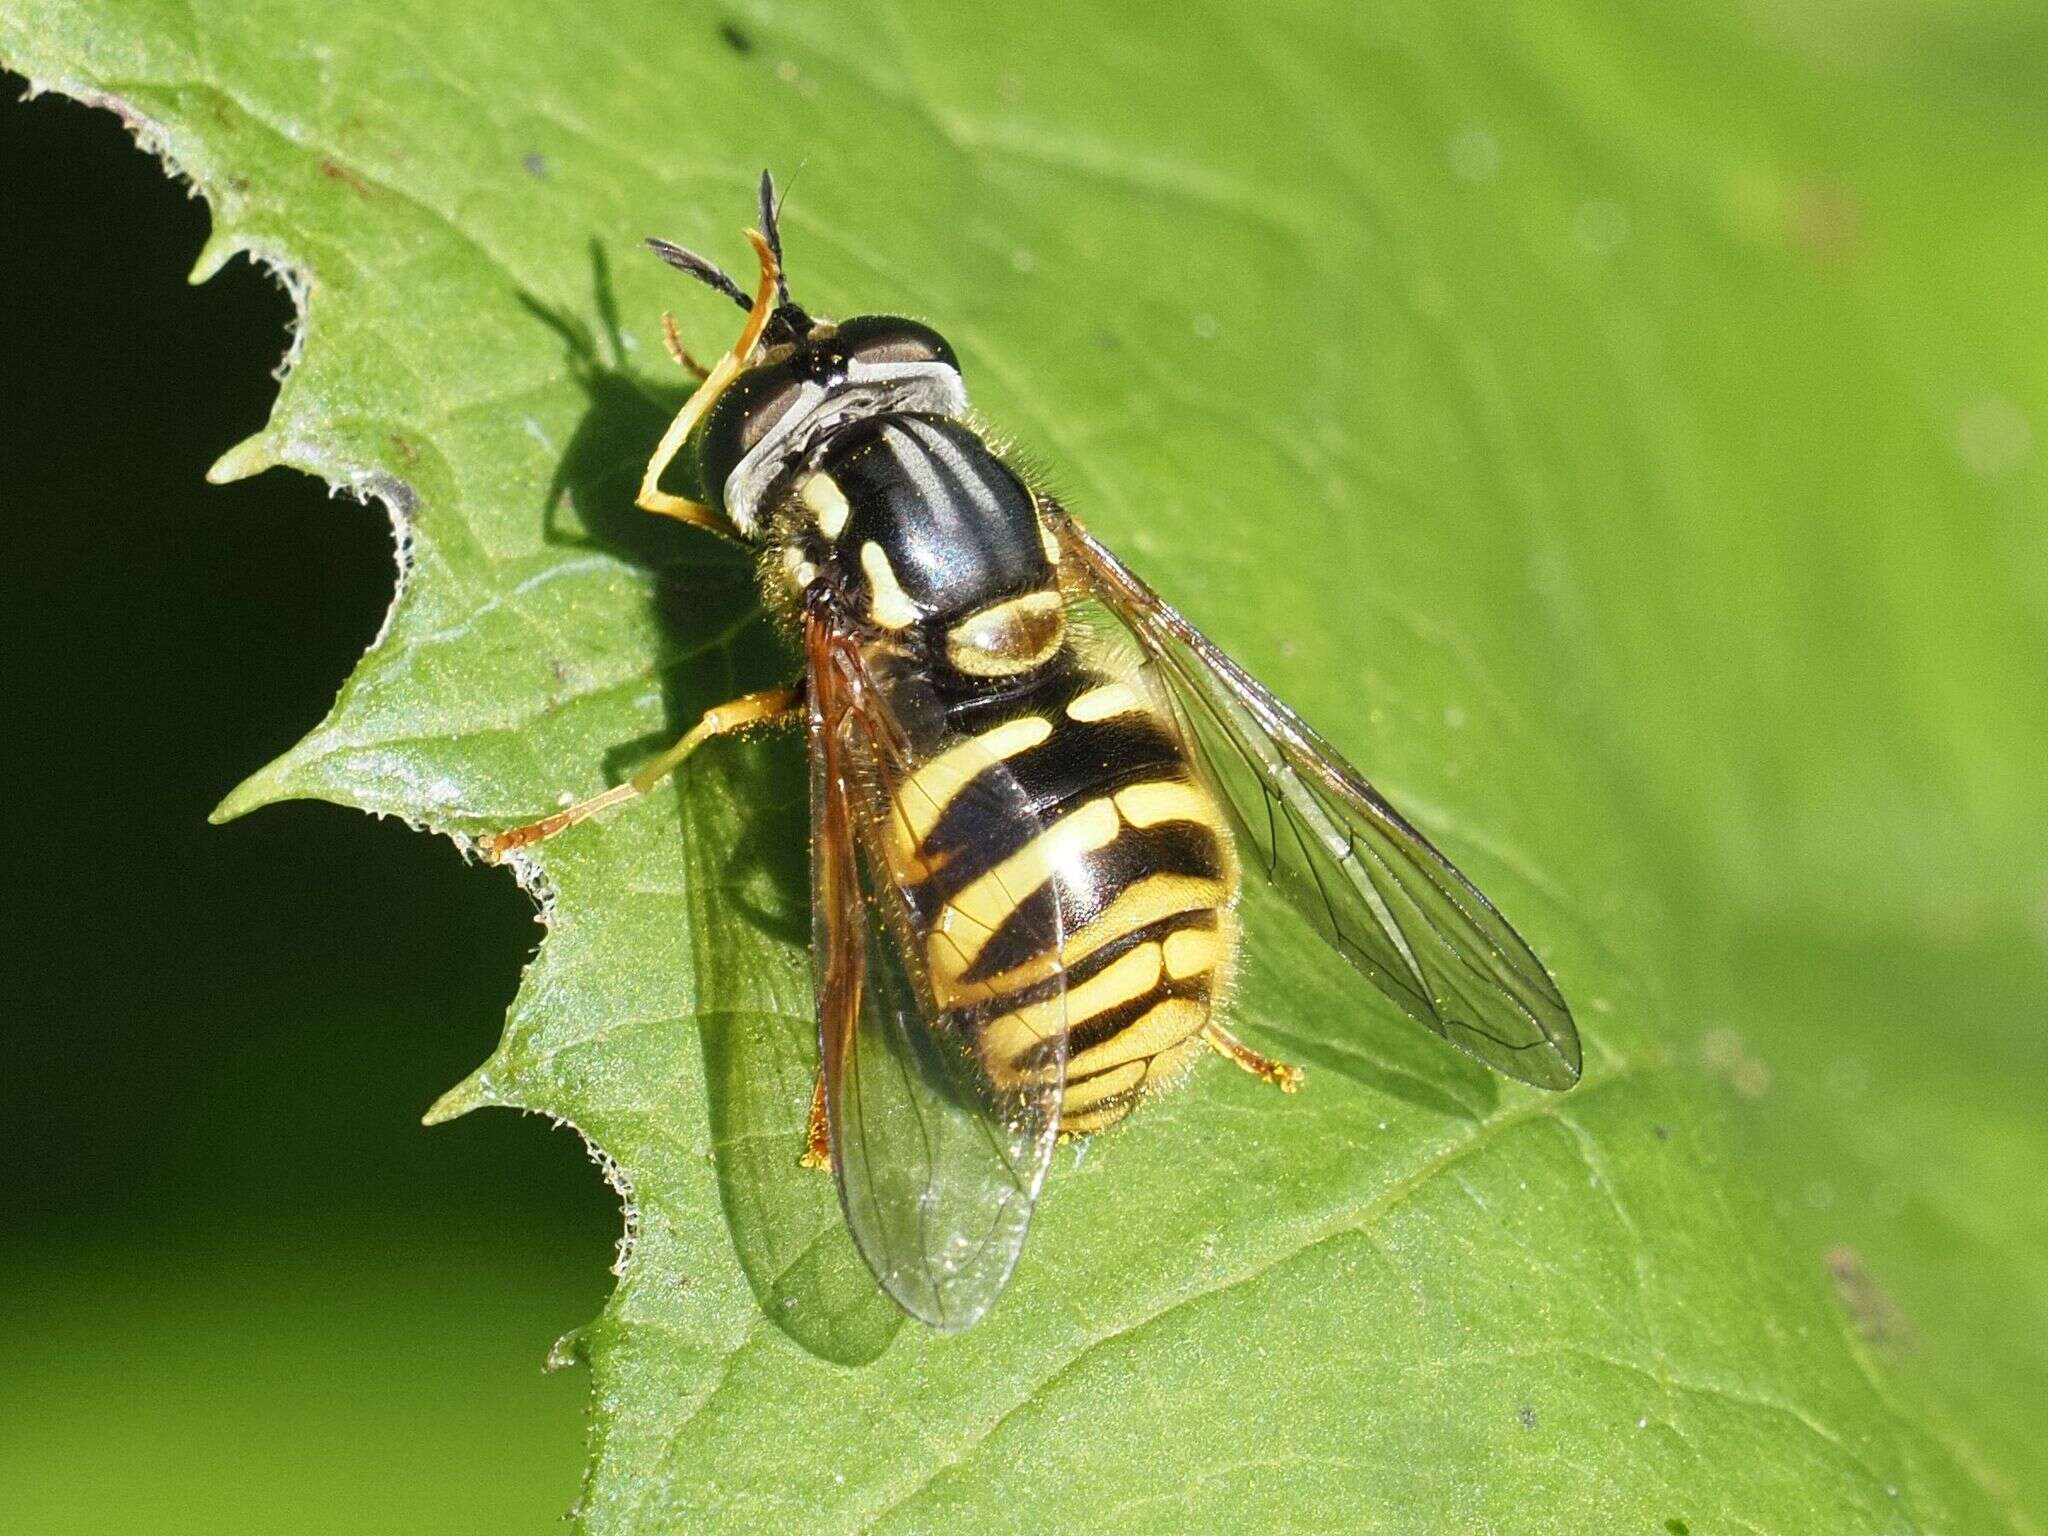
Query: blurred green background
[244, 1289]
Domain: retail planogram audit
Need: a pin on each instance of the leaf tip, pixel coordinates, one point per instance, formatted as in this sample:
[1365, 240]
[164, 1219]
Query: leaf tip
[249, 457]
[475, 1091]
[220, 248]
[266, 786]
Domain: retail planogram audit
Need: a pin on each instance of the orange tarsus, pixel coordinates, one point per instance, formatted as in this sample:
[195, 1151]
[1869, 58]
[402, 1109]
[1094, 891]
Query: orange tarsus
[1280, 1074]
[672, 340]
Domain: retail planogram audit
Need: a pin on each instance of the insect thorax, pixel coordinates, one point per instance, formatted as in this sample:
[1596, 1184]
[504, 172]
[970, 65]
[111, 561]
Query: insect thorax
[926, 537]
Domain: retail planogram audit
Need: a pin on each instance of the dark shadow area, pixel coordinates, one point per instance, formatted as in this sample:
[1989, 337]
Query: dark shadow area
[718, 642]
[786, 1222]
[231, 1252]
[599, 472]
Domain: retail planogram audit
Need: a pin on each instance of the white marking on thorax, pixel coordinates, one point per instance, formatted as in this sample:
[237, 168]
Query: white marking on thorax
[972, 477]
[916, 466]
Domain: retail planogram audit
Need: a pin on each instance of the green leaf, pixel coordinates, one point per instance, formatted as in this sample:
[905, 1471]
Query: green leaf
[1617, 429]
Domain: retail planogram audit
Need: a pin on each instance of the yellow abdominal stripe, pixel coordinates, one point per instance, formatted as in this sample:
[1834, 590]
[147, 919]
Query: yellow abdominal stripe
[1125, 981]
[971, 918]
[1165, 1025]
[924, 796]
[1147, 805]
[1082, 1096]
[990, 900]
[1144, 901]
[1143, 1012]
[1094, 1103]
[1190, 951]
[1103, 703]
[1168, 1022]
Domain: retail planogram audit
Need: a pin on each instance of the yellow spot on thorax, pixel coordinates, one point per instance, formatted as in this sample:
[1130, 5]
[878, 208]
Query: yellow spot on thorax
[798, 571]
[1008, 637]
[888, 604]
[826, 503]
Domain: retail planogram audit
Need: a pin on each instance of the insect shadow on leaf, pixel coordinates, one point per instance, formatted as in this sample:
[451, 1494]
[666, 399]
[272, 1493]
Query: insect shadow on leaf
[715, 641]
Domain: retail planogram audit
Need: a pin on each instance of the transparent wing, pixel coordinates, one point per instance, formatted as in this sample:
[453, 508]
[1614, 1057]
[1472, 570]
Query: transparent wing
[939, 1157]
[1367, 881]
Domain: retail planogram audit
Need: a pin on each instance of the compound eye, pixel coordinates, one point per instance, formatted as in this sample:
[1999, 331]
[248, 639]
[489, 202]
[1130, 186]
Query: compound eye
[745, 415]
[890, 340]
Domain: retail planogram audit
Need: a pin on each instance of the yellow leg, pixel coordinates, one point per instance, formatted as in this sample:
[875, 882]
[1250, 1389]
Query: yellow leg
[654, 499]
[684, 510]
[1282, 1076]
[750, 709]
[817, 1131]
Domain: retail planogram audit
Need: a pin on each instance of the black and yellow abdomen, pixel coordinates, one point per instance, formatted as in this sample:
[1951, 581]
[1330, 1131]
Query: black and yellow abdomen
[1121, 839]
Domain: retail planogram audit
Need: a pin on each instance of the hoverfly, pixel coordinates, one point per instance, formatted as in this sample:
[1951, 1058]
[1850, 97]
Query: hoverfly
[1034, 789]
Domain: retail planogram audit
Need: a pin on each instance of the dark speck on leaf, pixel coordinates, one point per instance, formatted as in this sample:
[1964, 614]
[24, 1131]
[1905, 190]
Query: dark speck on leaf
[735, 39]
[334, 170]
[1661, 1132]
[1677, 1527]
[536, 164]
[1527, 1416]
[1876, 1316]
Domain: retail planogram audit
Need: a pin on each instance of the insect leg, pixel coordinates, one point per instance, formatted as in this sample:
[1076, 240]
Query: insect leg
[1282, 1076]
[654, 499]
[768, 707]
[672, 339]
[817, 1131]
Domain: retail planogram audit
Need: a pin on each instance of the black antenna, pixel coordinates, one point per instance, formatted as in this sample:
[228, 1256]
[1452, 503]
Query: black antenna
[771, 211]
[706, 271]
